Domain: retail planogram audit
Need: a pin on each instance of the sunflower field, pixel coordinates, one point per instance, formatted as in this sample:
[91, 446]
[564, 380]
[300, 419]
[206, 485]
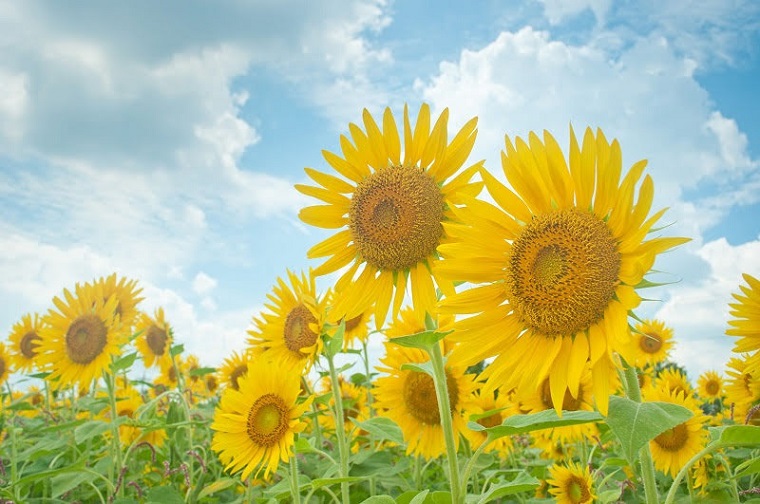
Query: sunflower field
[515, 368]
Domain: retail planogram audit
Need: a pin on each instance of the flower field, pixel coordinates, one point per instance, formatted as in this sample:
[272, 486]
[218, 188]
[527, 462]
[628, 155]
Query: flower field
[514, 366]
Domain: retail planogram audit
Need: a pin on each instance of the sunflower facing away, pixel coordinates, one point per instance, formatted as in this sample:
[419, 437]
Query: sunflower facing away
[255, 426]
[556, 264]
[24, 339]
[388, 209]
[651, 343]
[746, 321]
[289, 331]
[571, 484]
[155, 340]
[79, 339]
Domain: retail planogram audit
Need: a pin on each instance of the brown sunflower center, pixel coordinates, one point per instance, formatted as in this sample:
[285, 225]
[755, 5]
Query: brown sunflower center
[712, 387]
[29, 343]
[395, 217]
[86, 338]
[268, 420]
[127, 412]
[353, 323]
[491, 420]
[577, 490]
[673, 439]
[650, 343]
[562, 272]
[420, 399]
[211, 383]
[2, 367]
[297, 333]
[236, 374]
[569, 403]
[156, 338]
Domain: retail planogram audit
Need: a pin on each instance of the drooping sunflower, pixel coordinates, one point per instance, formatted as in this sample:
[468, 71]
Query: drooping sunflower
[155, 341]
[79, 339]
[745, 323]
[389, 210]
[408, 398]
[289, 331]
[710, 385]
[571, 484]
[674, 447]
[126, 293]
[233, 368]
[556, 263]
[5, 365]
[255, 426]
[651, 343]
[24, 339]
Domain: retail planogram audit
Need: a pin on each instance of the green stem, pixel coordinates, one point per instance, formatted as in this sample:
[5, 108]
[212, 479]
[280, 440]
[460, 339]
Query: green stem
[645, 456]
[444, 408]
[295, 492]
[368, 383]
[471, 462]
[339, 430]
[110, 380]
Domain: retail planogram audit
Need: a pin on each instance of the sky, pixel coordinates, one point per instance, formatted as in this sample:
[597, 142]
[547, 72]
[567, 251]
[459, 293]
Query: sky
[162, 140]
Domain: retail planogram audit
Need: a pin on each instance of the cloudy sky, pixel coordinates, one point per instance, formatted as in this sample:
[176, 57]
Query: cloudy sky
[161, 140]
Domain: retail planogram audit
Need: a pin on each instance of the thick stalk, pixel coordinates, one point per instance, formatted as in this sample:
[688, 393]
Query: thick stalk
[339, 429]
[444, 408]
[645, 456]
[295, 493]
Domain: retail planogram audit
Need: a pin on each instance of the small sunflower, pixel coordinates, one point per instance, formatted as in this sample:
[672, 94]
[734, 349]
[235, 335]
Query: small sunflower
[255, 426]
[126, 293]
[289, 332]
[354, 400]
[556, 264]
[502, 408]
[5, 365]
[710, 385]
[128, 404]
[355, 329]
[80, 338]
[651, 343]
[674, 380]
[571, 484]
[233, 368]
[389, 210]
[173, 371]
[155, 341]
[408, 398]
[24, 340]
[674, 447]
[745, 323]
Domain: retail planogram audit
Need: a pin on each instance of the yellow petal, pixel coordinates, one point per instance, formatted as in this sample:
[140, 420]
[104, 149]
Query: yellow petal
[324, 216]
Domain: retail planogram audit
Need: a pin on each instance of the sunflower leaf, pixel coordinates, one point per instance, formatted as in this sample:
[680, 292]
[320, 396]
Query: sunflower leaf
[123, 363]
[522, 483]
[547, 419]
[335, 342]
[419, 367]
[735, 435]
[423, 340]
[382, 428]
[635, 424]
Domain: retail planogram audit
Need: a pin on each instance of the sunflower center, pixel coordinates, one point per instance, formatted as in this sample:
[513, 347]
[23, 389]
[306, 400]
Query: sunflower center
[29, 344]
[212, 384]
[577, 490]
[353, 323]
[569, 403]
[395, 217]
[673, 439]
[268, 420]
[491, 420]
[712, 387]
[156, 338]
[420, 399]
[297, 333]
[86, 338]
[127, 412]
[650, 343]
[236, 374]
[562, 272]
[2, 367]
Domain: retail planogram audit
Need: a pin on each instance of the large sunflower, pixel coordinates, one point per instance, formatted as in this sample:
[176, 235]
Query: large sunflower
[289, 332]
[255, 426]
[746, 321]
[557, 263]
[24, 339]
[126, 293]
[389, 210]
[79, 339]
[408, 398]
[650, 344]
[571, 484]
[155, 339]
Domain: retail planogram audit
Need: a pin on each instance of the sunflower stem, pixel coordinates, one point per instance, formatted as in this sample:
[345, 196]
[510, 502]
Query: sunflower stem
[645, 456]
[295, 493]
[444, 409]
[110, 379]
[471, 463]
[339, 428]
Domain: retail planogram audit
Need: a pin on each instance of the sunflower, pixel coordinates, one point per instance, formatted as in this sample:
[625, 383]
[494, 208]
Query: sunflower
[742, 387]
[80, 338]
[289, 332]
[408, 398]
[24, 339]
[255, 426]
[571, 484]
[674, 380]
[173, 374]
[155, 340]
[651, 343]
[556, 264]
[355, 328]
[233, 368]
[126, 294]
[710, 385]
[674, 447]
[5, 364]
[128, 404]
[498, 402]
[354, 400]
[746, 320]
[389, 211]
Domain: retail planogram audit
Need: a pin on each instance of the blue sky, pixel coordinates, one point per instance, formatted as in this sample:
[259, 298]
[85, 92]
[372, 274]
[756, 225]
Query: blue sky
[161, 140]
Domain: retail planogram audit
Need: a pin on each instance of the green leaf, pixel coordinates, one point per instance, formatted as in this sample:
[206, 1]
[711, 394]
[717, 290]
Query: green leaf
[382, 428]
[177, 349]
[123, 363]
[217, 486]
[423, 340]
[751, 466]
[379, 463]
[547, 419]
[335, 343]
[635, 424]
[740, 435]
[420, 497]
[202, 371]
[379, 499]
[321, 482]
[522, 483]
[62, 483]
[91, 429]
[304, 446]
[419, 367]
[164, 495]
[44, 475]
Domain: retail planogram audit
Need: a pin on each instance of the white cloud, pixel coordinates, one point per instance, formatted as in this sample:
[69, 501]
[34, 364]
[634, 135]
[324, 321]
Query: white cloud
[203, 284]
[557, 11]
